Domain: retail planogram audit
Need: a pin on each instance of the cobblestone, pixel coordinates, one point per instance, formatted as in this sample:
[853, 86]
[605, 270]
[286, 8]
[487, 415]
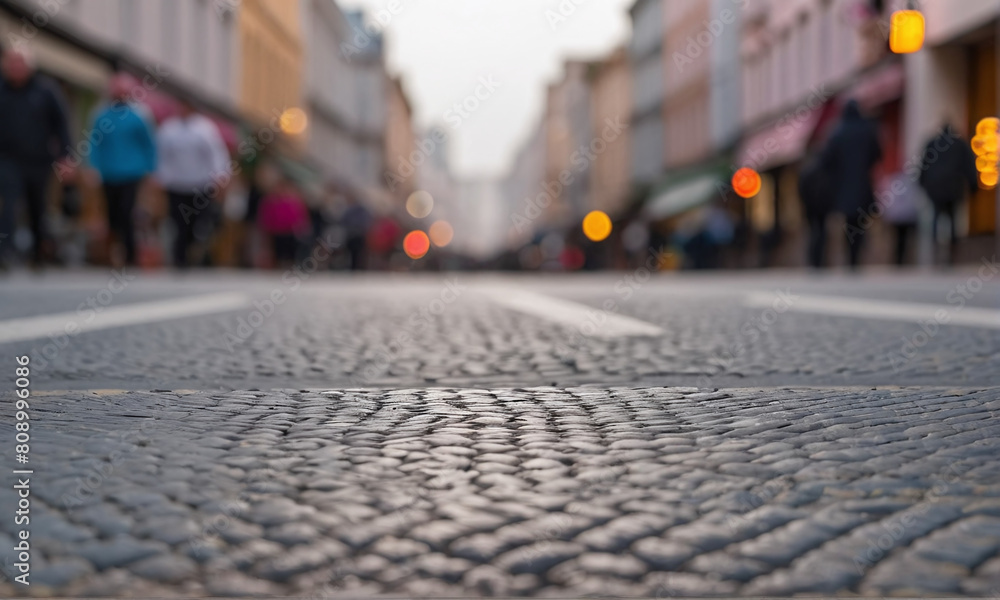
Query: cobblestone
[384, 493]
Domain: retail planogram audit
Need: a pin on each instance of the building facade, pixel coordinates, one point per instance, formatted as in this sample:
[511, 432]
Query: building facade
[954, 78]
[401, 152]
[646, 57]
[611, 107]
[272, 52]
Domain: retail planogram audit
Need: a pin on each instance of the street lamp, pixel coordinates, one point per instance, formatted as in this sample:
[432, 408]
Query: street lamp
[746, 183]
[986, 146]
[906, 30]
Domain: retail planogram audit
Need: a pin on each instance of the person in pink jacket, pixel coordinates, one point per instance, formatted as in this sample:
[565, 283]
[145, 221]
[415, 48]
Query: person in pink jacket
[284, 216]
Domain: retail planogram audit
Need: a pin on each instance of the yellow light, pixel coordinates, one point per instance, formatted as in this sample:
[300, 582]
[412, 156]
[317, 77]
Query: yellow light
[416, 244]
[986, 161]
[906, 31]
[293, 121]
[419, 204]
[991, 144]
[988, 179]
[441, 233]
[597, 226]
[746, 182]
[979, 145]
[987, 126]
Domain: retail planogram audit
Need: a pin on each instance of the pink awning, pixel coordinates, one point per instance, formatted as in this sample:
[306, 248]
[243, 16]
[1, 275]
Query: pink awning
[881, 85]
[780, 143]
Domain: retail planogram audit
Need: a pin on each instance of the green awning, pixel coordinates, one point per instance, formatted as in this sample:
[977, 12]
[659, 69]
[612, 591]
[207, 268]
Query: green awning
[684, 196]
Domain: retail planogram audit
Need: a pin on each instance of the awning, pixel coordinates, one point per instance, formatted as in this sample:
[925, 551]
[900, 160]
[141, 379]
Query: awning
[683, 196]
[878, 86]
[781, 143]
[58, 58]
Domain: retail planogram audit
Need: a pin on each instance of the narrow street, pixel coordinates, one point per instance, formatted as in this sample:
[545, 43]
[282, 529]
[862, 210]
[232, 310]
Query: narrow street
[475, 434]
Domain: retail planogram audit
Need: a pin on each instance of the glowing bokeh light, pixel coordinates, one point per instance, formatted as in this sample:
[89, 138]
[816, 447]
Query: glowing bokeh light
[989, 179]
[597, 226]
[441, 233]
[293, 121]
[906, 31]
[416, 244]
[987, 126]
[419, 204]
[746, 182]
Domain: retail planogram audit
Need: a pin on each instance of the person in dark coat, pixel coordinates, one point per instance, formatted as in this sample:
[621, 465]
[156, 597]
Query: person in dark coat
[33, 135]
[948, 171]
[816, 194]
[849, 156]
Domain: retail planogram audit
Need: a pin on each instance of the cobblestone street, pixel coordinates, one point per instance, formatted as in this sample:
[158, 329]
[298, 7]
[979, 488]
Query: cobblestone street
[500, 453]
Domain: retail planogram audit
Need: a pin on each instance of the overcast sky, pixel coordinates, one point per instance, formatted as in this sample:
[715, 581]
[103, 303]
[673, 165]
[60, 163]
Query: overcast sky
[444, 49]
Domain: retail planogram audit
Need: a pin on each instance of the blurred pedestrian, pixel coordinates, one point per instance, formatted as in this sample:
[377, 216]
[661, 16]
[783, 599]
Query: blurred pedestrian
[285, 218]
[33, 136]
[898, 199]
[357, 222]
[850, 154]
[124, 153]
[948, 171]
[817, 197]
[194, 169]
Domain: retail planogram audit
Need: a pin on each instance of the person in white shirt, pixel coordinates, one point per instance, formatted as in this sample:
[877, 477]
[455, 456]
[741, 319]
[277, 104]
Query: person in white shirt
[194, 169]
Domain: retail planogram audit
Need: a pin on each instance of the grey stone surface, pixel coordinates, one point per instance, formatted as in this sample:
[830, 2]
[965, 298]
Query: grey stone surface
[383, 492]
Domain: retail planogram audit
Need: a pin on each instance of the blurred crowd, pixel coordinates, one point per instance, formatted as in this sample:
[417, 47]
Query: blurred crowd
[839, 178]
[173, 193]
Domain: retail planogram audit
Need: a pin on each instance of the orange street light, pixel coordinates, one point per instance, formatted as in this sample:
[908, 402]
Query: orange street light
[597, 226]
[293, 121]
[746, 182]
[906, 31]
[416, 244]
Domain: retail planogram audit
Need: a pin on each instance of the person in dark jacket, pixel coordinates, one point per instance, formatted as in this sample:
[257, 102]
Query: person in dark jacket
[816, 194]
[948, 171]
[33, 136]
[849, 156]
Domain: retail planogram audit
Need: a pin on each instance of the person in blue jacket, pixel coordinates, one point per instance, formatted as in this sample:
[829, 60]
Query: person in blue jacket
[123, 154]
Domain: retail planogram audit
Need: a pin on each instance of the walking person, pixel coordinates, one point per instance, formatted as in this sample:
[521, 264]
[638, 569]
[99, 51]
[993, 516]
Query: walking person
[816, 195]
[948, 172]
[357, 221]
[284, 216]
[194, 168]
[850, 154]
[123, 154]
[898, 199]
[33, 137]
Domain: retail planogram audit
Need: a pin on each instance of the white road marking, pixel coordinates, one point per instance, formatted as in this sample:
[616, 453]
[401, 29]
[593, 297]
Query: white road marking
[19, 330]
[589, 321]
[863, 308]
